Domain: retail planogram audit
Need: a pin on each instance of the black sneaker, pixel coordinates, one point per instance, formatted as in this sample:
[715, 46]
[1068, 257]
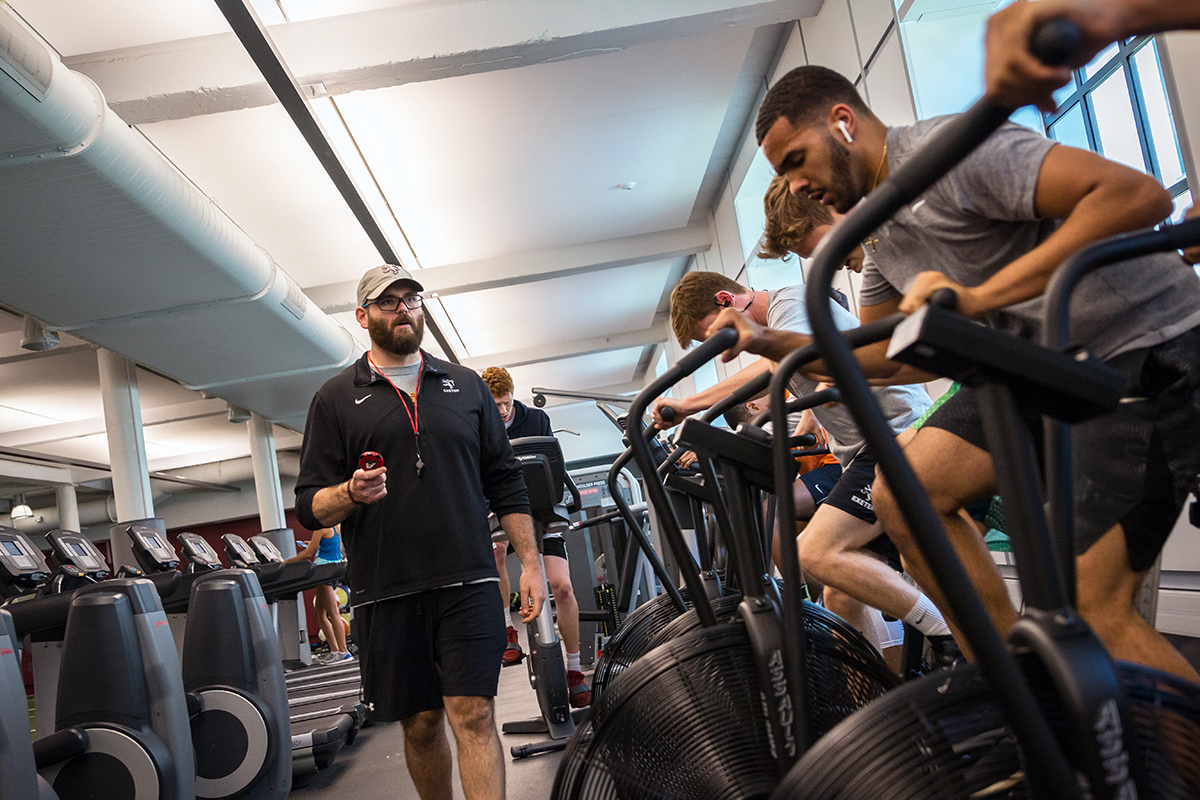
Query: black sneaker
[943, 651]
[514, 602]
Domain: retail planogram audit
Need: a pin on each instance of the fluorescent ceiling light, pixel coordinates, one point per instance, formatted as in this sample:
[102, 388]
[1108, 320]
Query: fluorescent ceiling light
[343, 142]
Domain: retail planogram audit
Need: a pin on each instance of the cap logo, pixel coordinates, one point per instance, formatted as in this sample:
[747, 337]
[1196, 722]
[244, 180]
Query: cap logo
[390, 269]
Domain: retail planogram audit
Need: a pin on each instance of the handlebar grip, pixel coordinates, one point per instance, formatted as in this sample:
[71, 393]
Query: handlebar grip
[1056, 42]
[945, 298]
[667, 413]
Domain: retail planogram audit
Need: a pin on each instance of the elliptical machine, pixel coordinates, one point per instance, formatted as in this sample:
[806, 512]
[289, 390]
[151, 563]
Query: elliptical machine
[546, 478]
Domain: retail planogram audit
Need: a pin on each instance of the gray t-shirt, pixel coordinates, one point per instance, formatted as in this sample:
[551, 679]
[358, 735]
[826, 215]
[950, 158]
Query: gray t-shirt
[901, 404]
[404, 377]
[981, 216]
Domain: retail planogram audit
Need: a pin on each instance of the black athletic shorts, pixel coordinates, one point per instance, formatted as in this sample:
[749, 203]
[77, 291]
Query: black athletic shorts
[1135, 466]
[852, 494]
[820, 481]
[415, 650]
[551, 546]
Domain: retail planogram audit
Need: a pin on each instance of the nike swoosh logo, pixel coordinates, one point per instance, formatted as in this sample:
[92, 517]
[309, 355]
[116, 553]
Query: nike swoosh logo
[356, 402]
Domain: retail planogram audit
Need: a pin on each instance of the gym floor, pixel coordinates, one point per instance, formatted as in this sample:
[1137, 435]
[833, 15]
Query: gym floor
[373, 767]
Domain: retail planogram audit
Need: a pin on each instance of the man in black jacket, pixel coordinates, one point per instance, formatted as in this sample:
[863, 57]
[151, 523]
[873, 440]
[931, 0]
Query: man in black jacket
[416, 534]
[522, 421]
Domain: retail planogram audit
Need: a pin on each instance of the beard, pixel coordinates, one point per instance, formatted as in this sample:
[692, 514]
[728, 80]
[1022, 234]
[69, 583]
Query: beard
[841, 182]
[384, 335]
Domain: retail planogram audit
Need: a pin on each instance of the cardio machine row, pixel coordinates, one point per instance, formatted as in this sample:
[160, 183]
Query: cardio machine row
[157, 683]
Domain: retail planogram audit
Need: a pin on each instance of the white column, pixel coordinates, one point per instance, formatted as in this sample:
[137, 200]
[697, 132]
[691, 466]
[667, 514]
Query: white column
[266, 476]
[291, 620]
[68, 507]
[126, 451]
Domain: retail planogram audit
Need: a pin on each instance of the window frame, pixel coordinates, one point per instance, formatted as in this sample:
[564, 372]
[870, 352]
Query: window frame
[1082, 95]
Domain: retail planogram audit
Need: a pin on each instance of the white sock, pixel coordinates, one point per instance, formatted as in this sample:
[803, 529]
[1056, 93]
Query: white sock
[925, 617]
[573, 663]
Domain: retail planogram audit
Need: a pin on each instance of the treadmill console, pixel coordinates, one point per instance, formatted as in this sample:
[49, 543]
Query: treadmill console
[237, 551]
[199, 553]
[22, 567]
[73, 549]
[265, 548]
[153, 551]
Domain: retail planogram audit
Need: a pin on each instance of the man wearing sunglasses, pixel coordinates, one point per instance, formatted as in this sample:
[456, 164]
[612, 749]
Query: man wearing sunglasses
[421, 572]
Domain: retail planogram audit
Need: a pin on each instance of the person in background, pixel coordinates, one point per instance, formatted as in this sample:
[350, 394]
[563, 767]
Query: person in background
[325, 547]
[422, 580]
[522, 421]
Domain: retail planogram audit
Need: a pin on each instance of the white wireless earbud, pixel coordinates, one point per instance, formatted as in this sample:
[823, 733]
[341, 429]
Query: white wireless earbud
[842, 127]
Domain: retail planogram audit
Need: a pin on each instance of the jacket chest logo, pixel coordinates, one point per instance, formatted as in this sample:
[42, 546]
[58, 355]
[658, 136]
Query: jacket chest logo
[448, 386]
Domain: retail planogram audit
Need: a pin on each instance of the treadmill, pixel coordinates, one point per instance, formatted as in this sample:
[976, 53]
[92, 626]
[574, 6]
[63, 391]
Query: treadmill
[317, 738]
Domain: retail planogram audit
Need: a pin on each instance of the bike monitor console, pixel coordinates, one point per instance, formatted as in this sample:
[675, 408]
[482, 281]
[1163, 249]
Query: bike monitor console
[265, 548]
[200, 555]
[154, 553]
[73, 549]
[22, 567]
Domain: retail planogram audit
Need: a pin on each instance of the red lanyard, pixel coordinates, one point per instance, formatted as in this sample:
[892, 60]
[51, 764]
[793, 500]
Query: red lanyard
[413, 417]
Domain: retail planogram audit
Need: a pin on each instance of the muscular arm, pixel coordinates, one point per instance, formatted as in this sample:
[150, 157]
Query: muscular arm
[775, 345]
[1094, 197]
[702, 400]
[1015, 77]
[519, 528]
[333, 504]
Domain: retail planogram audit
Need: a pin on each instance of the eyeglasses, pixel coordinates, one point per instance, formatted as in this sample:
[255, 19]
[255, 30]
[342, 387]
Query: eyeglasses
[390, 304]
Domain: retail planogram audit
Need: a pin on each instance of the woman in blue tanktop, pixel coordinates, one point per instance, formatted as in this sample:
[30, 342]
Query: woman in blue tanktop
[326, 547]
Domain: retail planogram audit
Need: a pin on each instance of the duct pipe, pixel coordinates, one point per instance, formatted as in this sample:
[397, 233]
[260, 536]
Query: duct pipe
[68, 507]
[102, 511]
[126, 450]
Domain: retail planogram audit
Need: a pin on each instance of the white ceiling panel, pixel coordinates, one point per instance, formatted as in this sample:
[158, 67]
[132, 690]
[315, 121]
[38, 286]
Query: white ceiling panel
[258, 169]
[577, 374]
[558, 310]
[197, 435]
[95, 448]
[530, 158]
[298, 10]
[62, 388]
[15, 419]
[73, 27]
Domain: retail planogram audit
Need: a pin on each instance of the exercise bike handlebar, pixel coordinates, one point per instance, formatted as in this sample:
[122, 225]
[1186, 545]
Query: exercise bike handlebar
[639, 536]
[747, 391]
[591, 522]
[690, 362]
[1053, 43]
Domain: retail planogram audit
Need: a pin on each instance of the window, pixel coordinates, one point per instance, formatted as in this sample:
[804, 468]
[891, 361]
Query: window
[1117, 106]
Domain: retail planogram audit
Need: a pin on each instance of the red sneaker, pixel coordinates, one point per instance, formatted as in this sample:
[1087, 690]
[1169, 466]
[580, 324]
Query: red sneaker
[513, 654]
[581, 693]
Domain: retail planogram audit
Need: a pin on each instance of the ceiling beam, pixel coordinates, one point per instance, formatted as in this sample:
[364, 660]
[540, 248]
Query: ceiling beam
[537, 265]
[404, 44]
[577, 347]
[45, 434]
